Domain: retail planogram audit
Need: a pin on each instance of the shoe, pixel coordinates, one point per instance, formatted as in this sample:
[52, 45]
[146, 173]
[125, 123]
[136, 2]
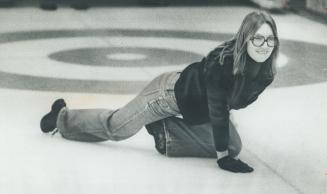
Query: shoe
[49, 121]
[231, 164]
[49, 6]
[156, 129]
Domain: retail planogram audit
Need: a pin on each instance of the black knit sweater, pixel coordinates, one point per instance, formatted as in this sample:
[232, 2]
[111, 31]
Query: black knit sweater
[207, 90]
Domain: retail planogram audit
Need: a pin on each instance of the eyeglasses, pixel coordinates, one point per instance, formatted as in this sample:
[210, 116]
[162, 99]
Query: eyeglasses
[259, 40]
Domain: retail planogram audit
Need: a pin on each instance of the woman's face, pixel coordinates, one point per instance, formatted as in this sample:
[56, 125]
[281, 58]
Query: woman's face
[261, 45]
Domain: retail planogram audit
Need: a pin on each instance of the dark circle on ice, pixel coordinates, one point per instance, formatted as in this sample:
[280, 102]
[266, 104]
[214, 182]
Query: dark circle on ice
[306, 61]
[135, 56]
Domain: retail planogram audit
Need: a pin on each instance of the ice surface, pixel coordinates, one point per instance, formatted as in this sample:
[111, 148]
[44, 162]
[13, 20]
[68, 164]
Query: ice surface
[284, 132]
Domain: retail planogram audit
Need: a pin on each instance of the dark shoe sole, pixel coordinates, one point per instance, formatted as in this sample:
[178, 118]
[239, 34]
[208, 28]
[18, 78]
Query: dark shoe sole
[156, 130]
[49, 121]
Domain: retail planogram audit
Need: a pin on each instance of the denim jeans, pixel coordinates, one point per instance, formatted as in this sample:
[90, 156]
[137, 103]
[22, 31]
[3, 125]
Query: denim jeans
[155, 102]
[185, 140]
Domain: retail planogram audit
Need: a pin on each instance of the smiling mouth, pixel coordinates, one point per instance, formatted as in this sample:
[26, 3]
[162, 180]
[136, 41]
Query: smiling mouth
[263, 52]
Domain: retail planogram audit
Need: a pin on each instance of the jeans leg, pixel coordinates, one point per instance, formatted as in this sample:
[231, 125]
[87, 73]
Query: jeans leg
[185, 140]
[155, 102]
[89, 125]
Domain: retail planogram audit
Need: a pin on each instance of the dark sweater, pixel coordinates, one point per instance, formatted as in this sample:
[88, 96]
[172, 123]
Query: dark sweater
[207, 90]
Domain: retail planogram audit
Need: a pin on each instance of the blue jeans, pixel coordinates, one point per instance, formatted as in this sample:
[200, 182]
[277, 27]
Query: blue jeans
[185, 140]
[155, 102]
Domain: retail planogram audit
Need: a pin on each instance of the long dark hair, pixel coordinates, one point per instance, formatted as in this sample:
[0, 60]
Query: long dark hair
[237, 46]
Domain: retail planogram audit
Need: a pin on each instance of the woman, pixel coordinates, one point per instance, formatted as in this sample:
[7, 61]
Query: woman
[230, 77]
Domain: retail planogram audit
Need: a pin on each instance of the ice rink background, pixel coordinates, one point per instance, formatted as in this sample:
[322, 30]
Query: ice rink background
[283, 132]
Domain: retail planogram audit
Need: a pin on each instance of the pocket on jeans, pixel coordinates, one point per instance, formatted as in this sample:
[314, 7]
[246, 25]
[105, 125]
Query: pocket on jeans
[160, 107]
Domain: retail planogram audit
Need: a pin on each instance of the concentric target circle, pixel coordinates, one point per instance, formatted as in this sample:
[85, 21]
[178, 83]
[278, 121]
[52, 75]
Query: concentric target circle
[125, 56]
[121, 53]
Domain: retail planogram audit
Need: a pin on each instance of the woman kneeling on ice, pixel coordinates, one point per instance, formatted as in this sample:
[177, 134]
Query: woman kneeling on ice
[230, 77]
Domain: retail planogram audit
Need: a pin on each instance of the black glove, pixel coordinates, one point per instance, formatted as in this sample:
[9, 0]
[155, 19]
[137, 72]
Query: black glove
[230, 164]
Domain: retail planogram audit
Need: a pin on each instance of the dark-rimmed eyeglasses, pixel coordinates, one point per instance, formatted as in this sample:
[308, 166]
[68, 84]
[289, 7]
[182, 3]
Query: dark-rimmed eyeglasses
[259, 40]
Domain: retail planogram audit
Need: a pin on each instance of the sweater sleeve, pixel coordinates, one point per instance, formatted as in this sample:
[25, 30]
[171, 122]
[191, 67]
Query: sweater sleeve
[218, 107]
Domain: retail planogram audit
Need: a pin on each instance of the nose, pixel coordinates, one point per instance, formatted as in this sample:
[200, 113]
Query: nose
[265, 45]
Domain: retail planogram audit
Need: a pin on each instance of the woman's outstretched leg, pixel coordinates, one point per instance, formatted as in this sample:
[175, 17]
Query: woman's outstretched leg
[155, 102]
